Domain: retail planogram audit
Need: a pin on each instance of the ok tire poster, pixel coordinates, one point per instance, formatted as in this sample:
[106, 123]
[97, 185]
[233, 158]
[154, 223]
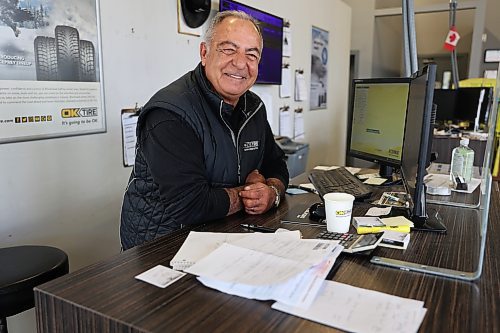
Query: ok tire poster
[50, 69]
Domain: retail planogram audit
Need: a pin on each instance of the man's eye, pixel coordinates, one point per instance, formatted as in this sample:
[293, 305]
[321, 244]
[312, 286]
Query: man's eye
[252, 57]
[228, 51]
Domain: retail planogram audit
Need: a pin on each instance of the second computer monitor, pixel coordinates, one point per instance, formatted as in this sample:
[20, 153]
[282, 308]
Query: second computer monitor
[416, 149]
[377, 120]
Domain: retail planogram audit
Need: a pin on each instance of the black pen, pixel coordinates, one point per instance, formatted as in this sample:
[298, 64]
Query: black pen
[255, 227]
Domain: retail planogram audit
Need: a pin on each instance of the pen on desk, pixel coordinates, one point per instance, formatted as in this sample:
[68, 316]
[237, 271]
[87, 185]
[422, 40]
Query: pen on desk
[393, 198]
[255, 227]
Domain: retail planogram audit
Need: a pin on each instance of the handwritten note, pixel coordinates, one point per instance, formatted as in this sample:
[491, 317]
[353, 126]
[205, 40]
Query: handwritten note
[360, 310]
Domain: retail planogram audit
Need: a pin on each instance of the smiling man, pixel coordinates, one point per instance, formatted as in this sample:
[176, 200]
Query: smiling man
[204, 147]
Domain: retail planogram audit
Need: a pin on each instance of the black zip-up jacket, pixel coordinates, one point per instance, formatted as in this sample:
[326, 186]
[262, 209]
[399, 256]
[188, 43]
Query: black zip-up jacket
[190, 146]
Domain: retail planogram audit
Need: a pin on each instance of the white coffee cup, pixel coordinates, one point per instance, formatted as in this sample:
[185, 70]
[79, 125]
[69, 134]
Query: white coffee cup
[338, 209]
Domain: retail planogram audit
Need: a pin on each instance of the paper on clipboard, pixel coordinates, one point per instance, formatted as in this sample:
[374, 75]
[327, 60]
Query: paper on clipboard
[129, 124]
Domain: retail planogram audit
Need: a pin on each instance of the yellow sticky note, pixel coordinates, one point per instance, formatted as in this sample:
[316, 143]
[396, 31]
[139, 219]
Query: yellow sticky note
[396, 221]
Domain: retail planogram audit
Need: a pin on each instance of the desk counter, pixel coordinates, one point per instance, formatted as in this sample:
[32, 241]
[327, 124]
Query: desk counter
[105, 297]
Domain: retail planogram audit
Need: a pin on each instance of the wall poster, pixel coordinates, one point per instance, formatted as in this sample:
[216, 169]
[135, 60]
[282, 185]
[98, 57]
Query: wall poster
[319, 69]
[50, 69]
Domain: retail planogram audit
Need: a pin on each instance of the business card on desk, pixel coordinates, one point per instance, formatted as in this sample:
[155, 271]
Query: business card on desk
[375, 181]
[160, 276]
[367, 221]
[395, 240]
[378, 211]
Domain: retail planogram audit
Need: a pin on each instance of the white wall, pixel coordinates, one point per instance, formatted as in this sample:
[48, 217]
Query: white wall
[362, 23]
[67, 192]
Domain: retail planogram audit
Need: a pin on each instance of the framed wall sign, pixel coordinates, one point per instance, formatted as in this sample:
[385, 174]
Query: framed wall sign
[319, 68]
[492, 55]
[51, 70]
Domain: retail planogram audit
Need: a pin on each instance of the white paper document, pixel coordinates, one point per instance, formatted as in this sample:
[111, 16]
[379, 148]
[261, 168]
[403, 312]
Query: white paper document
[378, 211]
[199, 244]
[299, 291]
[300, 92]
[288, 246]
[286, 82]
[397, 221]
[286, 126]
[265, 266]
[353, 170]
[325, 167]
[160, 276]
[375, 181]
[129, 124]
[298, 125]
[235, 264]
[360, 310]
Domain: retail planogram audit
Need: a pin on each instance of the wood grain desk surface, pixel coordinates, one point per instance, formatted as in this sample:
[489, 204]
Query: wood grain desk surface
[105, 297]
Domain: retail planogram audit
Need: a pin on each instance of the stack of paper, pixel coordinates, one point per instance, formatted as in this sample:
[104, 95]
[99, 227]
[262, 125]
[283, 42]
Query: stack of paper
[278, 266]
[397, 221]
[199, 244]
[373, 224]
[292, 271]
[360, 310]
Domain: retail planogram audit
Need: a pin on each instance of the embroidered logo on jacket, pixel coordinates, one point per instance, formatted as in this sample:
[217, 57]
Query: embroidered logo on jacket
[250, 145]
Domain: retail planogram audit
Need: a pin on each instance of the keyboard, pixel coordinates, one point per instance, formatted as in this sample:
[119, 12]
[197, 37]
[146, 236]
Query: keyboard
[339, 180]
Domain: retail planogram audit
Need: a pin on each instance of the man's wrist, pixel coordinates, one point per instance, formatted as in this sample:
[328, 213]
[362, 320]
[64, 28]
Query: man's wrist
[278, 195]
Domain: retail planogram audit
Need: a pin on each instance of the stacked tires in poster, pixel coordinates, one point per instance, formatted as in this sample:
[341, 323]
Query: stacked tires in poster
[64, 57]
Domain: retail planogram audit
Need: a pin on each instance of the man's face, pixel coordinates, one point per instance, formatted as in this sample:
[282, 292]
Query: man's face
[231, 60]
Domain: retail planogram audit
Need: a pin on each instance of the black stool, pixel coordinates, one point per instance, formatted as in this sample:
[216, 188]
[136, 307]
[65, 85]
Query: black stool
[21, 269]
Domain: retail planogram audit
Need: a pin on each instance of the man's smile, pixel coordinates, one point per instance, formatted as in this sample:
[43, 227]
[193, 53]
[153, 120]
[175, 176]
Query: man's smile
[236, 76]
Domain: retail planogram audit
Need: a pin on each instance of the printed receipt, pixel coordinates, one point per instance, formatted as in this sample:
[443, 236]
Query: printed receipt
[160, 276]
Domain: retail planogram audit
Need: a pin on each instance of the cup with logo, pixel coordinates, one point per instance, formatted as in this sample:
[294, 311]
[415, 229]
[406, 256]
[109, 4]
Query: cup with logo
[338, 209]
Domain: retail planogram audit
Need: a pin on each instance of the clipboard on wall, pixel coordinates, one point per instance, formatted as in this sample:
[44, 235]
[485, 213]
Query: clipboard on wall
[129, 138]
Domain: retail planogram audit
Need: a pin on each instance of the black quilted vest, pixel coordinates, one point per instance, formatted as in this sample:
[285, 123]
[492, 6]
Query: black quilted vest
[229, 157]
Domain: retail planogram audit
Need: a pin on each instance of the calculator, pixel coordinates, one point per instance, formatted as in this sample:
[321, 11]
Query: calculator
[353, 242]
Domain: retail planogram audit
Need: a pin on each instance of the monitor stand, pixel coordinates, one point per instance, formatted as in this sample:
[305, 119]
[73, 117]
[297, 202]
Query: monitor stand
[432, 222]
[385, 171]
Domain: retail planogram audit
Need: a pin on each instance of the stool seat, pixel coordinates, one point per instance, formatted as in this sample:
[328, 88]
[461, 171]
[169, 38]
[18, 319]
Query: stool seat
[24, 267]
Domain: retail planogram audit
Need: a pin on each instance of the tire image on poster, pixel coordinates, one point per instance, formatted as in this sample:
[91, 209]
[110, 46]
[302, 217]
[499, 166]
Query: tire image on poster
[46, 59]
[65, 57]
[87, 61]
[68, 53]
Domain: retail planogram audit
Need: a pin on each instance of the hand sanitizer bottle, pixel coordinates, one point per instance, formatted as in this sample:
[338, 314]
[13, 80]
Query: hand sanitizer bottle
[462, 160]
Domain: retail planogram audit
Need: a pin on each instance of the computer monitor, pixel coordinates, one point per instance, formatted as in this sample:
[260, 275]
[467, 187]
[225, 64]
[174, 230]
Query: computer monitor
[416, 149]
[377, 121]
[445, 100]
[460, 106]
[472, 100]
[272, 33]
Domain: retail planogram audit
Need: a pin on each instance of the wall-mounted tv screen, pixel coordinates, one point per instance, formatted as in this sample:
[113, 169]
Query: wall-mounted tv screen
[272, 33]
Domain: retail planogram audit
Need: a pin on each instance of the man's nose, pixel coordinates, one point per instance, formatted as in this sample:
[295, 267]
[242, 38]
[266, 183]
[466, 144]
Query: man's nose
[239, 59]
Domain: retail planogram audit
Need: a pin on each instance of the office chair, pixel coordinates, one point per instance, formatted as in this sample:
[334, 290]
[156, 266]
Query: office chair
[21, 269]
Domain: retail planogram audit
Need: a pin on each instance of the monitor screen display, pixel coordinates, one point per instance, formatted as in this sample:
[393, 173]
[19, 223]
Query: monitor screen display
[470, 101]
[272, 33]
[378, 112]
[445, 100]
[462, 105]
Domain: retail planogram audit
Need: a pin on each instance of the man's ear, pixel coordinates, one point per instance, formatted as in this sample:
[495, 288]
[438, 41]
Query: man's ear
[203, 53]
